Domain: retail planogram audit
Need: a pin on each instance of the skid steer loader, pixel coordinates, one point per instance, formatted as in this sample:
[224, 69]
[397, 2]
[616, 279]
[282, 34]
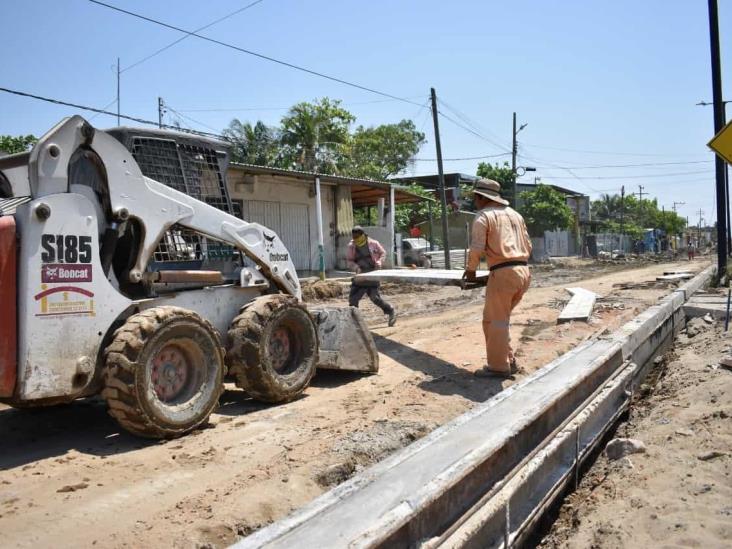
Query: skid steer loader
[123, 272]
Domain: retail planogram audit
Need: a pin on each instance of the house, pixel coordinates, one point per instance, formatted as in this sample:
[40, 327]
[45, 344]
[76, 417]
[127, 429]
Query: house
[286, 201]
[578, 202]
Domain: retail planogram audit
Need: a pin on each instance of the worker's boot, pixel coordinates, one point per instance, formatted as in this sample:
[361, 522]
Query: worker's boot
[392, 318]
[487, 371]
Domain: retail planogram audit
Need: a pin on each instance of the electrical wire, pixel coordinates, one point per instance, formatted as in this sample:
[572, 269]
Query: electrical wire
[103, 111]
[253, 53]
[461, 159]
[211, 24]
[470, 130]
[616, 153]
[649, 164]
[641, 176]
[247, 109]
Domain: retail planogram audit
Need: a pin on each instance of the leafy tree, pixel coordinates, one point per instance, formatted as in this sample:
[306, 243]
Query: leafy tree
[313, 133]
[636, 215]
[545, 209]
[21, 143]
[257, 144]
[381, 151]
[503, 174]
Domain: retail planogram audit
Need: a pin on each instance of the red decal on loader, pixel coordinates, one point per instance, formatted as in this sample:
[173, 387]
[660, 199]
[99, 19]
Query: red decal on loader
[8, 328]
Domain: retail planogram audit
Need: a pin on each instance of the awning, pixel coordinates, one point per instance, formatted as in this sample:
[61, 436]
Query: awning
[365, 195]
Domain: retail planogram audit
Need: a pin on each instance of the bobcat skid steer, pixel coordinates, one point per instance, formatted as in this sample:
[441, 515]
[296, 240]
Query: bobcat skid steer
[123, 272]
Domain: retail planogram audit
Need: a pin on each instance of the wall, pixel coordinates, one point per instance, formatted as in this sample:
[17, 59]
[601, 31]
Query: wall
[269, 195]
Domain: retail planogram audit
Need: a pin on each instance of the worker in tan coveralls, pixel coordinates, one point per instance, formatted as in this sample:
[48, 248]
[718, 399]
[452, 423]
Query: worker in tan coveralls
[499, 233]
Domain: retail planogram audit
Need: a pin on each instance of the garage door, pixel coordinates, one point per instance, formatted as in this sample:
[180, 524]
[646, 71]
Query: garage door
[291, 222]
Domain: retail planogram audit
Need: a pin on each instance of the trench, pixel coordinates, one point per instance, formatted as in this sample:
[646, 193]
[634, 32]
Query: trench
[491, 477]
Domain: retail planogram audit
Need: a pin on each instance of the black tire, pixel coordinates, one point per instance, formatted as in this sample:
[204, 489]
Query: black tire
[268, 365]
[164, 372]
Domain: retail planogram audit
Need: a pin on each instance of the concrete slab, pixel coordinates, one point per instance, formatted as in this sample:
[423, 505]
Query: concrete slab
[440, 277]
[674, 277]
[418, 491]
[702, 304]
[579, 307]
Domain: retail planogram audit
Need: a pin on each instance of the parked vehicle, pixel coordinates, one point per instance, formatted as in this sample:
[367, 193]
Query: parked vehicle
[414, 252]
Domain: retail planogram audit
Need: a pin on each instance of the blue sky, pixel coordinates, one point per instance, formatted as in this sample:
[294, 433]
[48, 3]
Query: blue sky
[612, 83]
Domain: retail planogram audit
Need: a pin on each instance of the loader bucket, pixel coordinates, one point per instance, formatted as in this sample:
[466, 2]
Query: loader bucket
[345, 340]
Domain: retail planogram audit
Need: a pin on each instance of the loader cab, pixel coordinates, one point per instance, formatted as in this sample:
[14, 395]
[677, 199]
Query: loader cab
[196, 166]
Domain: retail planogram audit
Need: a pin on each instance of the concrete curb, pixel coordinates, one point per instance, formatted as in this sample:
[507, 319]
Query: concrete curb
[419, 492]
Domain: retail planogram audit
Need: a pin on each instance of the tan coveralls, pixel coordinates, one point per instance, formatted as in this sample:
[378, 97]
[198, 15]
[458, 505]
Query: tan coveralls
[500, 233]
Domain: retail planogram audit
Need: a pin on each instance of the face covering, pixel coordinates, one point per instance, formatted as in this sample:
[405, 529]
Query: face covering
[360, 240]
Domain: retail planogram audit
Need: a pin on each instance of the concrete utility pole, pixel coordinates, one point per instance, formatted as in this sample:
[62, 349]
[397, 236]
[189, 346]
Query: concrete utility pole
[118, 73]
[514, 154]
[718, 125]
[640, 204]
[161, 112]
[698, 229]
[622, 218]
[441, 179]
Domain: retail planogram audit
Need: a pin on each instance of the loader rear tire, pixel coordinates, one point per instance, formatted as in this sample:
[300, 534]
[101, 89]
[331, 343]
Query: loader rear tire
[164, 372]
[273, 348]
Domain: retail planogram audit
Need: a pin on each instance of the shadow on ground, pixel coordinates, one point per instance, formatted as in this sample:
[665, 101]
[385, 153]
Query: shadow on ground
[446, 377]
[33, 434]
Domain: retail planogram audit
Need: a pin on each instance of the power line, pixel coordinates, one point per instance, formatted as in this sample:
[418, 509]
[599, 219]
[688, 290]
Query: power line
[470, 130]
[102, 111]
[253, 53]
[246, 109]
[629, 165]
[477, 127]
[460, 159]
[603, 152]
[641, 176]
[211, 24]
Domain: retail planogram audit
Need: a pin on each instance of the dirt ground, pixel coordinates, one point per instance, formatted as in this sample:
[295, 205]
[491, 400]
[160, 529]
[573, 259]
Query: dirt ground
[70, 477]
[678, 493]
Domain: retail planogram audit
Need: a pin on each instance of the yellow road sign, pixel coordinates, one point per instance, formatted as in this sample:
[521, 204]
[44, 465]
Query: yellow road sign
[722, 143]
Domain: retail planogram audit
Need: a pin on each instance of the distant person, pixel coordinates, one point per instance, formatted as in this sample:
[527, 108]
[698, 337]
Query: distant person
[691, 250]
[499, 233]
[365, 255]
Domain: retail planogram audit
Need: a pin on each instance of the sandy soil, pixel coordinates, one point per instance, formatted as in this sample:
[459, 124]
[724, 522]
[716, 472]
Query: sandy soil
[70, 477]
[676, 494]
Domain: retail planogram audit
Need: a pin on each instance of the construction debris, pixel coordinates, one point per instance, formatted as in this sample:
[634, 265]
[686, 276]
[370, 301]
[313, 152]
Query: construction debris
[579, 307]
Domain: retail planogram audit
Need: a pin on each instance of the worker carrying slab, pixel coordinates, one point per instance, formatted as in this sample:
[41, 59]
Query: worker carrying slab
[365, 255]
[499, 232]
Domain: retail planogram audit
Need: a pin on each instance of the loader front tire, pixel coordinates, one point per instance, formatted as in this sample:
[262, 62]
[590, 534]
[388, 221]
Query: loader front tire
[164, 372]
[273, 348]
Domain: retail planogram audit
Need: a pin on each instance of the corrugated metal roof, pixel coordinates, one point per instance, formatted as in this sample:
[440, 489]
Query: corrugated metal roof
[406, 195]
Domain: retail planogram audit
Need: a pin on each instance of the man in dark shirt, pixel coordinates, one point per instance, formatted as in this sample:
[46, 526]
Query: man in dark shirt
[365, 255]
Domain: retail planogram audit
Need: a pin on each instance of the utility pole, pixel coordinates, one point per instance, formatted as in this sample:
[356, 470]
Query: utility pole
[118, 73]
[622, 218]
[441, 179]
[698, 229]
[718, 124]
[677, 204]
[640, 204]
[161, 112]
[514, 154]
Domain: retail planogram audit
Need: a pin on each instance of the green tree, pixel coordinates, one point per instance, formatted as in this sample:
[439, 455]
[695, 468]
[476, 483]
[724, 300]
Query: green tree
[257, 144]
[16, 144]
[382, 151]
[503, 174]
[632, 216]
[313, 134]
[545, 209]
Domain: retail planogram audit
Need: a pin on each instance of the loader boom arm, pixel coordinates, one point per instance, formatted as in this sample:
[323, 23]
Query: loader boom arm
[154, 205]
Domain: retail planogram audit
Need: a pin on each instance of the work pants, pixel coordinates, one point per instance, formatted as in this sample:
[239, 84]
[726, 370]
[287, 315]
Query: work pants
[505, 289]
[357, 292]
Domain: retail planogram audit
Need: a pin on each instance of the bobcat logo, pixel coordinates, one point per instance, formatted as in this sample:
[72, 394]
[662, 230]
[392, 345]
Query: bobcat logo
[51, 272]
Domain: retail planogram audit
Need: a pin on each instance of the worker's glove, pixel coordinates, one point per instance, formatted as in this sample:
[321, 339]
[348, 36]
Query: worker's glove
[469, 275]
